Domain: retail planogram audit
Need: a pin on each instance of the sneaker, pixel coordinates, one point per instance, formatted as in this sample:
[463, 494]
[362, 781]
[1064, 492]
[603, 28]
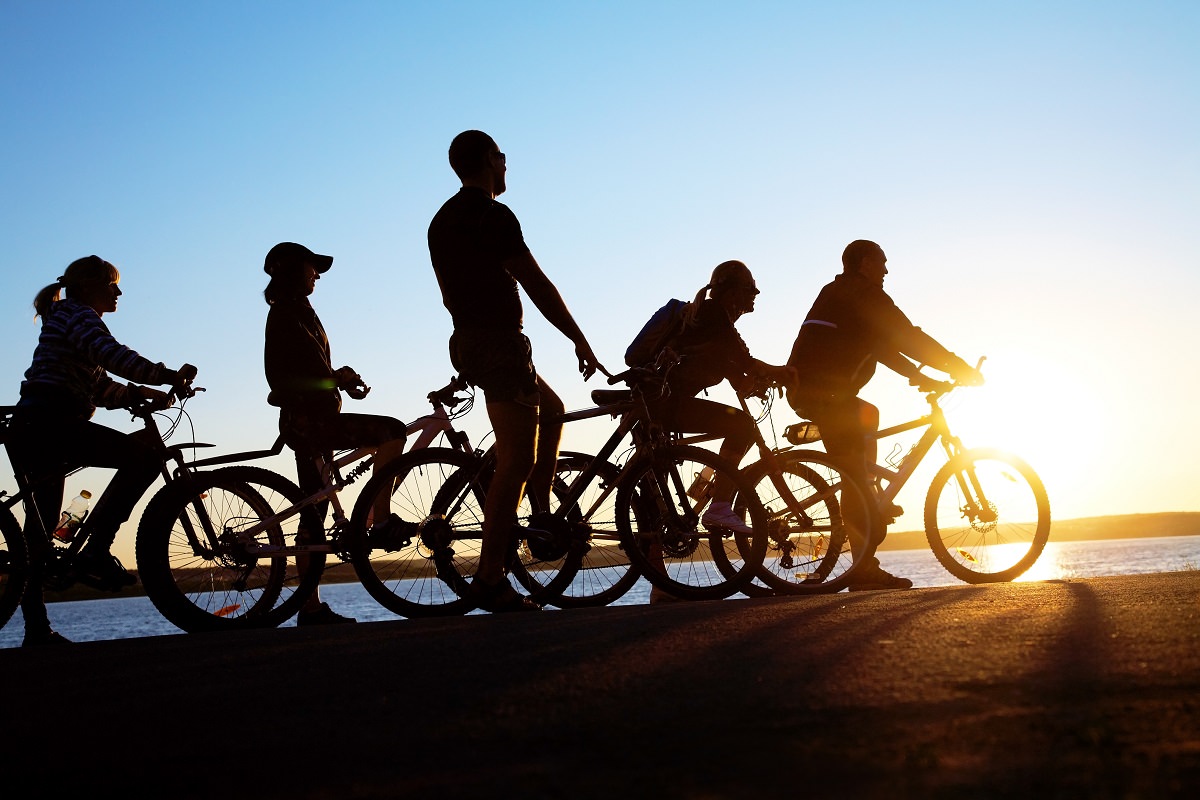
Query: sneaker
[323, 615]
[103, 571]
[878, 578]
[722, 516]
[658, 595]
[39, 639]
[391, 535]
[890, 512]
[500, 598]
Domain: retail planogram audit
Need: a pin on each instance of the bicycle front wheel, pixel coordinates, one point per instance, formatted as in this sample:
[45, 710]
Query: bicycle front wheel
[660, 504]
[819, 523]
[13, 565]
[417, 527]
[987, 516]
[200, 569]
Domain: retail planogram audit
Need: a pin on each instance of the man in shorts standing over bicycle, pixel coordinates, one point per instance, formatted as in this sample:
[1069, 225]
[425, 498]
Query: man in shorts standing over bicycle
[480, 258]
[852, 326]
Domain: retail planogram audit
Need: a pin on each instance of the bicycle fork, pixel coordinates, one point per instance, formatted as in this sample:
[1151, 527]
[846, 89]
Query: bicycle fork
[977, 508]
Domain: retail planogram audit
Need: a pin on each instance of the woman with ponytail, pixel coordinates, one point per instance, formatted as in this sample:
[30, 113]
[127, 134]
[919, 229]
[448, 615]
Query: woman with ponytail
[52, 432]
[711, 350]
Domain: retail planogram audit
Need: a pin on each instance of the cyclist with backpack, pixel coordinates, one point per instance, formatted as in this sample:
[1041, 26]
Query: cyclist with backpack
[705, 338]
[52, 432]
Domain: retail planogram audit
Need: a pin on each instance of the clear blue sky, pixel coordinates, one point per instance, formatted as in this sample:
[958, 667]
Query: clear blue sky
[1031, 169]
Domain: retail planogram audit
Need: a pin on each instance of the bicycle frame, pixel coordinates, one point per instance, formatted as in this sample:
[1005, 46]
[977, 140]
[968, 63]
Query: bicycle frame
[937, 431]
[426, 428]
[769, 457]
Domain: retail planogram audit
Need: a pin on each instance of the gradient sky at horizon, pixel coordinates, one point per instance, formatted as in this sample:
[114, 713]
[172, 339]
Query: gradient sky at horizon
[1031, 168]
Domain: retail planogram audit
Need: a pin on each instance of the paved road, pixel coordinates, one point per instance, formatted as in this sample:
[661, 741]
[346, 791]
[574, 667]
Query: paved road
[1072, 689]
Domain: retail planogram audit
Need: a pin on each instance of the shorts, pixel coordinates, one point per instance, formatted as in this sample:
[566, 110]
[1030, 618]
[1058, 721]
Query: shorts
[310, 434]
[498, 362]
[838, 416]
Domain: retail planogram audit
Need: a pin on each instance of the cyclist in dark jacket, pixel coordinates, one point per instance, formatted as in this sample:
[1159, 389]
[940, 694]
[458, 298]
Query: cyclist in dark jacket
[852, 326]
[307, 389]
[52, 431]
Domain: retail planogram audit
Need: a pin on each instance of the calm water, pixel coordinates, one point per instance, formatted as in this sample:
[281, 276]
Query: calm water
[129, 617]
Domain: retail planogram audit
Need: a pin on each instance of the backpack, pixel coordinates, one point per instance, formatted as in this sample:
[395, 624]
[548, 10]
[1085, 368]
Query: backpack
[655, 334]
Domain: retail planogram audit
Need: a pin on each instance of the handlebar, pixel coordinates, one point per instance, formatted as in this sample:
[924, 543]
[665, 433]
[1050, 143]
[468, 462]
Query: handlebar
[144, 407]
[448, 394]
[935, 389]
[634, 375]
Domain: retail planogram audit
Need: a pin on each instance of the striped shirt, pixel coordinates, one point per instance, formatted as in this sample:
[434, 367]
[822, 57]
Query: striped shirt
[74, 354]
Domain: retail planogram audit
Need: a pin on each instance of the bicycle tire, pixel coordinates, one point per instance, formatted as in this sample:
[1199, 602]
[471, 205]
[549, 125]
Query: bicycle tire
[814, 547]
[655, 514]
[201, 587]
[1008, 537]
[14, 565]
[604, 573]
[419, 568]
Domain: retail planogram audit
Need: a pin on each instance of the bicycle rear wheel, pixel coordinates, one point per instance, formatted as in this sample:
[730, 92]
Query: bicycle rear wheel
[987, 516]
[14, 565]
[604, 572]
[418, 560]
[819, 523]
[659, 510]
[202, 574]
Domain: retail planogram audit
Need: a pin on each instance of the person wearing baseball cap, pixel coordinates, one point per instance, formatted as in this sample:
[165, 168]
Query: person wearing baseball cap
[307, 389]
[290, 255]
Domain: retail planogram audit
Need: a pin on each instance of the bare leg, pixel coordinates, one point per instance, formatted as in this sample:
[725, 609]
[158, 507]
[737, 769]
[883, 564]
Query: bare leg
[515, 427]
[549, 434]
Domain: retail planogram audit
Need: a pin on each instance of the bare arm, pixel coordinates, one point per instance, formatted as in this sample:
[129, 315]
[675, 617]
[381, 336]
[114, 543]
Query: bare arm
[545, 296]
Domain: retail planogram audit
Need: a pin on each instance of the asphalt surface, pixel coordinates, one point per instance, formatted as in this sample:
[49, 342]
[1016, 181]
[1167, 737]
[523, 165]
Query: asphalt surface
[1072, 689]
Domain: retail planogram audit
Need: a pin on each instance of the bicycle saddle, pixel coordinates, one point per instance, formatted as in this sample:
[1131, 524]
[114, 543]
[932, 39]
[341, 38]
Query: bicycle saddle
[604, 397]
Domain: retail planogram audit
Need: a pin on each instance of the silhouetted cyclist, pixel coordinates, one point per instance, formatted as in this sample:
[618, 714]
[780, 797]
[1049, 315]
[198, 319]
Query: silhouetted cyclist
[52, 432]
[710, 351]
[852, 326]
[480, 258]
[307, 389]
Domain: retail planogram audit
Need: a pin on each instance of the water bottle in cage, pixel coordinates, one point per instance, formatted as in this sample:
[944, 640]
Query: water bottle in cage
[72, 516]
[701, 487]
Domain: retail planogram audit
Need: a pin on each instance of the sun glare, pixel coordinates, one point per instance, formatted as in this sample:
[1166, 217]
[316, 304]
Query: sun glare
[1041, 414]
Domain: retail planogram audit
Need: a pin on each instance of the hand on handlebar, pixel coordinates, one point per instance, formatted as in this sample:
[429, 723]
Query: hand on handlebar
[926, 384]
[966, 375]
[182, 387]
[154, 399]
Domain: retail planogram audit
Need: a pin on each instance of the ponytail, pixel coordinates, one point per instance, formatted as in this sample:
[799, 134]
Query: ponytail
[692, 309]
[46, 298]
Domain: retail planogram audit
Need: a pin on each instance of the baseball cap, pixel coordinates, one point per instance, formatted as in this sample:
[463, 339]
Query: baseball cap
[287, 255]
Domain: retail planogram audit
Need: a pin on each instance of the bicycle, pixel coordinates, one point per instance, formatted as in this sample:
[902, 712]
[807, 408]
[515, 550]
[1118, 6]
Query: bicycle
[419, 559]
[58, 570]
[240, 545]
[987, 513]
[821, 522]
[652, 510]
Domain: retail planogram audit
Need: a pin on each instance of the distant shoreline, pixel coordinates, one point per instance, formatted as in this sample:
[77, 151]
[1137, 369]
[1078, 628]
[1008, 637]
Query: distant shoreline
[1084, 529]
[1118, 526]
